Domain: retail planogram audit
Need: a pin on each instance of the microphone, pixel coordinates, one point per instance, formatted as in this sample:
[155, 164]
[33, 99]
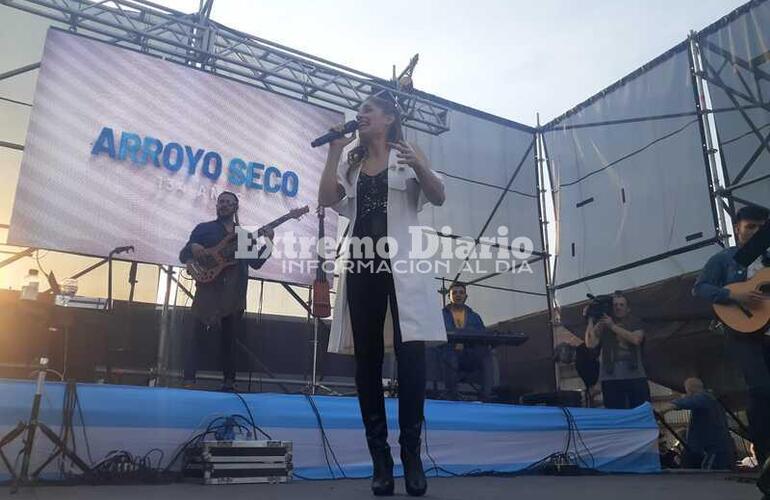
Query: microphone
[328, 137]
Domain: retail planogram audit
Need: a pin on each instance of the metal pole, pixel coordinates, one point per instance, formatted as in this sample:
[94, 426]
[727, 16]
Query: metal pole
[88, 269]
[709, 152]
[540, 160]
[729, 189]
[315, 355]
[14, 258]
[108, 305]
[12, 145]
[443, 292]
[160, 366]
[33, 422]
[19, 71]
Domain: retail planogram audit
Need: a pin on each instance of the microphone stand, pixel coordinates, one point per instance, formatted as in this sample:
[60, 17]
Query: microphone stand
[28, 430]
[113, 252]
[109, 305]
[132, 282]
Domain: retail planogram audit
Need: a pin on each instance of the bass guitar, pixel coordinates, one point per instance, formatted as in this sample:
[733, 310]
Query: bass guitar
[222, 255]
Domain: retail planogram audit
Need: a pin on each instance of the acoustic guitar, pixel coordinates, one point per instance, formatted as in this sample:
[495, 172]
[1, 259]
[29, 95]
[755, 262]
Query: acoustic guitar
[748, 319]
[222, 255]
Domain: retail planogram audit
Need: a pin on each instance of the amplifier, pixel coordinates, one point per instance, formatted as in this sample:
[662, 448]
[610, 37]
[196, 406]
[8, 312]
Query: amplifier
[239, 462]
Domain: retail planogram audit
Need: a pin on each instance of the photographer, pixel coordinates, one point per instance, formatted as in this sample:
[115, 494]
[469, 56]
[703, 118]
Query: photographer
[619, 339]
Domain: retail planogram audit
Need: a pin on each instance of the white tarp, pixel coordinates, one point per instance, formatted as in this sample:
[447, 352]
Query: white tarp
[630, 189]
[477, 159]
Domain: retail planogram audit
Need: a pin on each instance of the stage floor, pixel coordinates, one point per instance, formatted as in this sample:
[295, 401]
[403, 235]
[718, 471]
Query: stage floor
[665, 486]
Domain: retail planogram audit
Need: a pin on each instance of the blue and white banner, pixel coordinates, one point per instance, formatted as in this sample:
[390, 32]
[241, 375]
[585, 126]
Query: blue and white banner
[127, 149]
[459, 437]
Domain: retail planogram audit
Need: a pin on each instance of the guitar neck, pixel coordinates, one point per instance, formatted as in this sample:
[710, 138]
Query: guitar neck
[274, 224]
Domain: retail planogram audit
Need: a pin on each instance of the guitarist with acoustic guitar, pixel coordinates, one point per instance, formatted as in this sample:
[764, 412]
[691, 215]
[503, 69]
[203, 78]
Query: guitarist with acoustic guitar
[740, 296]
[219, 304]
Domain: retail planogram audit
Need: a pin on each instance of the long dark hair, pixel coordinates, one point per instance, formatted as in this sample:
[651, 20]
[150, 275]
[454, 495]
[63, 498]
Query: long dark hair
[386, 102]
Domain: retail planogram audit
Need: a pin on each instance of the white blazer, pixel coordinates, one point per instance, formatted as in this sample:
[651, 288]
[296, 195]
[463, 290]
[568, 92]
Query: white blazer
[419, 307]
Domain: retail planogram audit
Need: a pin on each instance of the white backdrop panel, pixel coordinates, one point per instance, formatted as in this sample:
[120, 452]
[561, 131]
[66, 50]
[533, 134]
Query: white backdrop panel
[72, 200]
[477, 158]
[630, 190]
[636, 277]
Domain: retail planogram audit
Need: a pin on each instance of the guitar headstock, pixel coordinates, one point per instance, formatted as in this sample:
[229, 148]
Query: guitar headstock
[296, 213]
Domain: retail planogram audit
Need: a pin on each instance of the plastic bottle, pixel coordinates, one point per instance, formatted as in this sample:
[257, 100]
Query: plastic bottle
[31, 285]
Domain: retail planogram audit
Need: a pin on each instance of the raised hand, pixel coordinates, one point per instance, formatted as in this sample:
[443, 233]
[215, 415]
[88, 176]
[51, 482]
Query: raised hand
[407, 155]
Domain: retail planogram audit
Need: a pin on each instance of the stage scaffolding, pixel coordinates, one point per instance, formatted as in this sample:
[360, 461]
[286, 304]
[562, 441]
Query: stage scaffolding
[196, 40]
[728, 103]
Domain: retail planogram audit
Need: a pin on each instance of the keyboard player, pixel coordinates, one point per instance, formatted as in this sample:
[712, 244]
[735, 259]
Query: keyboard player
[458, 359]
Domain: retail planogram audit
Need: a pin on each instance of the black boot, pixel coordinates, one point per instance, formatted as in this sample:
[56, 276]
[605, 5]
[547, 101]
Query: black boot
[414, 475]
[382, 461]
[382, 473]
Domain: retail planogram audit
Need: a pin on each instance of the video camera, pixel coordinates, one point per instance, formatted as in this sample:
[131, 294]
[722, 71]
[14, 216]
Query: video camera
[599, 306]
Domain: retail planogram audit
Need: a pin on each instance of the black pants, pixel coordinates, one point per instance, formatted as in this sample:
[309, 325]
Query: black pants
[229, 328]
[751, 353]
[625, 394]
[369, 294]
[471, 359]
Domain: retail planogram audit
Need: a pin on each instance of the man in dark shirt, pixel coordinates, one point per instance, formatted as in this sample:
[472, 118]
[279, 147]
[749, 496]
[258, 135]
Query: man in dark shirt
[460, 358]
[219, 304]
[750, 352]
[708, 437]
[619, 339]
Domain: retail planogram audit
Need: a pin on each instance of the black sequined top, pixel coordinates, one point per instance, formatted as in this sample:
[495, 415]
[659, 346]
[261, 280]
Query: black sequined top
[372, 208]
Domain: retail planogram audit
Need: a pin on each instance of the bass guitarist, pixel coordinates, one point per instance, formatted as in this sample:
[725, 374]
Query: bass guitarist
[751, 352]
[220, 303]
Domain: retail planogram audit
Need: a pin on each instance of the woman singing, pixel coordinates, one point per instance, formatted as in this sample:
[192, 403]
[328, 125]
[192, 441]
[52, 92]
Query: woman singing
[381, 300]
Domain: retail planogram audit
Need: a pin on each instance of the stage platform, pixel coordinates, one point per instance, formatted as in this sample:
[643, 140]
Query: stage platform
[678, 486]
[460, 438]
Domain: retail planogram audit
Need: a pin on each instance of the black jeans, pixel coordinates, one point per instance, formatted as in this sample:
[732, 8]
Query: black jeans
[229, 329]
[369, 294]
[625, 394]
[471, 359]
[751, 353]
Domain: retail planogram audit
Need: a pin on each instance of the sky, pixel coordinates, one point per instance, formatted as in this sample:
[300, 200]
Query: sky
[510, 58]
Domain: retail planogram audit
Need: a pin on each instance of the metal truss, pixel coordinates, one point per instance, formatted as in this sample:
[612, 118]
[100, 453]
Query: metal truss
[196, 40]
[742, 99]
